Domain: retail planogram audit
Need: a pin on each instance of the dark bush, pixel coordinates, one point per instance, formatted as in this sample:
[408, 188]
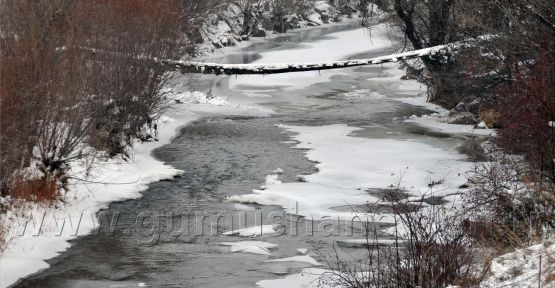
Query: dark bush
[527, 111]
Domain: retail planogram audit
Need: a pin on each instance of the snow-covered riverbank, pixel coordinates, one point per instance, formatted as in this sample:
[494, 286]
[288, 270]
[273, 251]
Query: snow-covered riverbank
[32, 243]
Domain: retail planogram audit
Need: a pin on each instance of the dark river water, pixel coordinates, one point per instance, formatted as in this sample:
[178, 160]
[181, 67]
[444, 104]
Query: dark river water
[227, 155]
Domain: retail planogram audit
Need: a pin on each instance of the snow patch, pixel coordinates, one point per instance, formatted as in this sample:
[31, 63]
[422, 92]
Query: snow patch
[433, 122]
[304, 258]
[272, 179]
[315, 18]
[253, 247]
[308, 278]
[522, 267]
[196, 97]
[252, 231]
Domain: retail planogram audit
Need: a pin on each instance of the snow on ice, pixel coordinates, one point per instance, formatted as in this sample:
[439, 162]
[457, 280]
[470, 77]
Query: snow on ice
[308, 278]
[253, 231]
[303, 258]
[253, 247]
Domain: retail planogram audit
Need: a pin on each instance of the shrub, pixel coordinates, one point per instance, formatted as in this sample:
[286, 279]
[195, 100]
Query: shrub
[506, 197]
[431, 248]
[527, 110]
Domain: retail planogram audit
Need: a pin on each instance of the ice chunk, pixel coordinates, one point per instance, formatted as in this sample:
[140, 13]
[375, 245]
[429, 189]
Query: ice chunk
[254, 247]
[252, 231]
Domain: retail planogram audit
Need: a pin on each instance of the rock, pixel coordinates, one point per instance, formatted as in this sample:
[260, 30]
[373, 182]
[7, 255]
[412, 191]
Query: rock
[474, 106]
[259, 33]
[465, 118]
[460, 108]
[481, 125]
[413, 73]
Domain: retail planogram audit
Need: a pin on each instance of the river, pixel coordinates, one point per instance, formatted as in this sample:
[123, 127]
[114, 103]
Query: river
[229, 154]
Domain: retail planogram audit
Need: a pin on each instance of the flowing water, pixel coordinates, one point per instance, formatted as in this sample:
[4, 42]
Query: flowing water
[225, 155]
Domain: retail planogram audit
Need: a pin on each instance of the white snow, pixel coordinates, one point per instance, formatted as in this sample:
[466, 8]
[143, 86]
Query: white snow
[196, 97]
[253, 231]
[303, 258]
[271, 179]
[253, 247]
[308, 278]
[522, 268]
[315, 18]
[433, 122]
[311, 200]
[321, 6]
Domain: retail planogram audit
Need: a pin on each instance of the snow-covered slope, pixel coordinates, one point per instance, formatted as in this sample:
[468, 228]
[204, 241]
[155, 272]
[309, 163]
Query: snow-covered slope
[529, 267]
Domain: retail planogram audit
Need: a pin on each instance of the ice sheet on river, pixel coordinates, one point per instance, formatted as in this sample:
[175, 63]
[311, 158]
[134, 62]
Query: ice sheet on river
[349, 165]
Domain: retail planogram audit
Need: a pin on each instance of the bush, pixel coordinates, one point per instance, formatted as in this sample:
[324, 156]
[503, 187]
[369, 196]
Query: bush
[506, 197]
[431, 248]
[82, 73]
[527, 110]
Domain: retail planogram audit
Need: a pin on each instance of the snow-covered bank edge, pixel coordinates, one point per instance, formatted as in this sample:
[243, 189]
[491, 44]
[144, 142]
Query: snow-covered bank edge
[111, 180]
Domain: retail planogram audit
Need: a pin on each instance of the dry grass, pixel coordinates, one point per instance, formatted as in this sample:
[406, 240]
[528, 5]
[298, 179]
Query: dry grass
[44, 189]
[3, 238]
[491, 117]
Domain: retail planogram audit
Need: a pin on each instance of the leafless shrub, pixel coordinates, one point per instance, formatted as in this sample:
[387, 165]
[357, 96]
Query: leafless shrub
[506, 195]
[43, 117]
[430, 248]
